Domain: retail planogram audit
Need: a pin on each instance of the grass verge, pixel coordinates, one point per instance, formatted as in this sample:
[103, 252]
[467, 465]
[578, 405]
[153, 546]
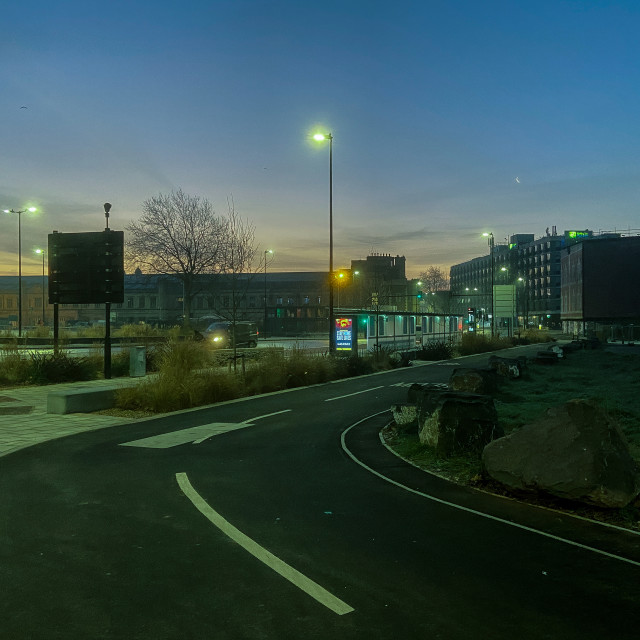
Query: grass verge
[609, 378]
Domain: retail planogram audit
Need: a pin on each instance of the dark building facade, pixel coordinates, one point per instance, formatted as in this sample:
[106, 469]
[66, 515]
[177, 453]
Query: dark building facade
[600, 284]
[532, 266]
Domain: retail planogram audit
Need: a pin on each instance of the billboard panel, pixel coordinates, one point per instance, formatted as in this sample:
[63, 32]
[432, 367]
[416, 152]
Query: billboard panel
[86, 268]
[346, 338]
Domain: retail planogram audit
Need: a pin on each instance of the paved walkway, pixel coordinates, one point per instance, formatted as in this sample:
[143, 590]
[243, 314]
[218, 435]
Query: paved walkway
[24, 420]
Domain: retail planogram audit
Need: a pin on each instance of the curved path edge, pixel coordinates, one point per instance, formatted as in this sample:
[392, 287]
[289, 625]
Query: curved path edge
[361, 442]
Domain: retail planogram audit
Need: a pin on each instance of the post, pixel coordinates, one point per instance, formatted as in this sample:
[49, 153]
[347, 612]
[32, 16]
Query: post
[107, 309]
[332, 327]
[107, 341]
[491, 253]
[43, 293]
[264, 328]
[56, 328]
[19, 274]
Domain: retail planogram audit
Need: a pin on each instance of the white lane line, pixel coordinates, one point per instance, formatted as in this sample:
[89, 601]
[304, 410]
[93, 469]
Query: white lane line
[286, 571]
[353, 394]
[467, 509]
[268, 415]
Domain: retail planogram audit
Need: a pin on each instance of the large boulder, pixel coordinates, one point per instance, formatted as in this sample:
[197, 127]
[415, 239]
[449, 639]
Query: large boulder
[456, 423]
[575, 451]
[482, 381]
[507, 367]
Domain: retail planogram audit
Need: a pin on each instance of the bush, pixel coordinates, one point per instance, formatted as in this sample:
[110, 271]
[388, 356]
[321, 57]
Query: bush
[138, 331]
[47, 368]
[14, 367]
[477, 343]
[436, 350]
[178, 358]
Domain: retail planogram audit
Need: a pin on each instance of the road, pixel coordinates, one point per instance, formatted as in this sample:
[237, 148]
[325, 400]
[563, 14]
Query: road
[283, 516]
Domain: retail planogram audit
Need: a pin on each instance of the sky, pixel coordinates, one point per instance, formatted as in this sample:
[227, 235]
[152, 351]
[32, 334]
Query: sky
[450, 118]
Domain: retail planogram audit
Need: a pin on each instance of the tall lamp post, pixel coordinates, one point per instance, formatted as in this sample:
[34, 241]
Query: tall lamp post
[266, 253]
[42, 251]
[20, 212]
[320, 137]
[489, 236]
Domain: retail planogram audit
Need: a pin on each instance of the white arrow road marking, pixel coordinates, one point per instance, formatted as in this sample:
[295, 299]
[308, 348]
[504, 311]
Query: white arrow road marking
[196, 435]
[273, 562]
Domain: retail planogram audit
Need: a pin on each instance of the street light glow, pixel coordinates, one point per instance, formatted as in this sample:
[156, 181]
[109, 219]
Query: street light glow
[319, 137]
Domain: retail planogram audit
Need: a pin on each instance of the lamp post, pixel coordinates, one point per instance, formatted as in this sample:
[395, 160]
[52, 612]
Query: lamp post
[489, 237]
[20, 212]
[266, 253]
[320, 137]
[42, 251]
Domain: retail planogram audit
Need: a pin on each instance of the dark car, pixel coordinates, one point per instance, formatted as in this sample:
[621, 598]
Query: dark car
[220, 334]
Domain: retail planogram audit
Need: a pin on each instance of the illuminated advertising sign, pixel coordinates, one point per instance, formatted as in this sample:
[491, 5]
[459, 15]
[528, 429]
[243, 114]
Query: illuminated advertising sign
[345, 334]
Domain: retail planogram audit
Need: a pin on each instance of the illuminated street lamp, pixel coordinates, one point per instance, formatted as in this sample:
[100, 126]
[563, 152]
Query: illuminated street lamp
[321, 137]
[266, 253]
[42, 251]
[489, 237]
[20, 212]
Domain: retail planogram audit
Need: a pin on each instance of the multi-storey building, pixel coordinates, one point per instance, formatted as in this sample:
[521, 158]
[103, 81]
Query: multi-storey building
[532, 266]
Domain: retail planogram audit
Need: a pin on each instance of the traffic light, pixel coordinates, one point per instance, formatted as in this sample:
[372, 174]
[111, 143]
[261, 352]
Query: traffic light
[420, 294]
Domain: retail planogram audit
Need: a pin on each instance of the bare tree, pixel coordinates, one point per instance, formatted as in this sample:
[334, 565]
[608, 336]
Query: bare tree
[181, 236]
[434, 279]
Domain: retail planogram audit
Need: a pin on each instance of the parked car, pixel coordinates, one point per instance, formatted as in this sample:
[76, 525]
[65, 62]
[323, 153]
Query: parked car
[220, 334]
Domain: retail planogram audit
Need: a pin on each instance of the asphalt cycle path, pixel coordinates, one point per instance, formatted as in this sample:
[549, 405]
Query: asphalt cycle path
[284, 517]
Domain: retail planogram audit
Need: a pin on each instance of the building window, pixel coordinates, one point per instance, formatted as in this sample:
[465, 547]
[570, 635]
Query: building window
[252, 302]
[141, 302]
[152, 302]
[129, 303]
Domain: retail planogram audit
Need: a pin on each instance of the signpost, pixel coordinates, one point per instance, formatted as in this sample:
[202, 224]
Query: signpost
[87, 268]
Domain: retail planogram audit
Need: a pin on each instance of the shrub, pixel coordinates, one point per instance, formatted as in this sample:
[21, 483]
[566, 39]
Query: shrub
[14, 367]
[178, 358]
[477, 343]
[47, 368]
[436, 350]
[138, 331]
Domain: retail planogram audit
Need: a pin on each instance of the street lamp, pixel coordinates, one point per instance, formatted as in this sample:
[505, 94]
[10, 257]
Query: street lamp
[42, 251]
[20, 212]
[321, 137]
[489, 237]
[266, 253]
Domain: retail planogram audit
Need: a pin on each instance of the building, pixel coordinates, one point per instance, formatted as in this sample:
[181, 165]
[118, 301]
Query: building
[599, 292]
[529, 269]
[282, 303]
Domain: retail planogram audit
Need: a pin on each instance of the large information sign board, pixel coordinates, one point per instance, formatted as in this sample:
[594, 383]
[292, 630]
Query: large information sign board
[346, 334]
[86, 268]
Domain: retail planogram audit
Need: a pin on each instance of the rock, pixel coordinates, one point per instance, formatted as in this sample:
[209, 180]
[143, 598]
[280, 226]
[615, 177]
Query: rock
[405, 416]
[546, 357]
[482, 381]
[458, 423]
[507, 367]
[574, 452]
[418, 391]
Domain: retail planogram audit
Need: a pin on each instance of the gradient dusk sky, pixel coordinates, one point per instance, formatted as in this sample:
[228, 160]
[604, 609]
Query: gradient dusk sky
[449, 118]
